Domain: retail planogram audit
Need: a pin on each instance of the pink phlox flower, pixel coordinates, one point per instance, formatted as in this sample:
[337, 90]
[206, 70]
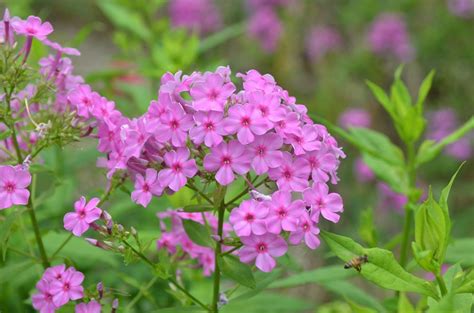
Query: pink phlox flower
[137, 134]
[69, 288]
[283, 212]
[265, 152]
[146, 186]
[209, 128]
[167, 241]
[14, 182]
[32, 27]
[246, 121]
[63, 50]
[105, 111]
[179, 168]
[212, 94]
[174, 126]
[83, 98]
[291, 175]
[249, 218]
[54, 272]
[108, 136]
[207, 262]
[269, 106]
[263, 249]
[322, 202]
[289, 126]
[91, 307]
[305, 140]
[322, 163]
[307, 231]
[227, 158]
[86, 213]
[159, 108]
[43, 300]
[254, 81]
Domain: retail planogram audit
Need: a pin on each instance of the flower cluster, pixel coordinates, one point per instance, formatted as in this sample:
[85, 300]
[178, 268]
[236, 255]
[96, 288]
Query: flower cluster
[201, 16]
[388, 34]
[355, 117]
[58, 286]
[443, 122]
[322, 40]
[461, 8]
[177, 242]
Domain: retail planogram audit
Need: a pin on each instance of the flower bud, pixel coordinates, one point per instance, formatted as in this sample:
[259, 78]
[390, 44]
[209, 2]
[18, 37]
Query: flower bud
[100, 289]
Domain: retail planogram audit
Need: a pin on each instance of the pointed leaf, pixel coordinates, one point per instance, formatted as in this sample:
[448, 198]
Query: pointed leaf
[198, 233]
[237, 271]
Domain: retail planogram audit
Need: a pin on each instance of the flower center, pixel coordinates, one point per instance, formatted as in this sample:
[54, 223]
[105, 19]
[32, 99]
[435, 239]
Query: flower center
[306, 227]
[287, 173]
[174, 124]
[9, 187]
[282, 213]
[82, 214]
[262, 247]
[249, 217]
[66, 287]
[177, 167]
[146, 188]
[245, 121]
[209, 126]
[226, 160]
[261, 151]
[31, 30]
[213, 94]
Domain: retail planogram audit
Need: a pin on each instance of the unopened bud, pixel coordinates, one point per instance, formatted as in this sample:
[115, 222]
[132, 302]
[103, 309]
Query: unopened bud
[216, 238]
[100, 289]
[120, 228]
[133, 231]
[115, 305]
[223, 300]
[259, 196]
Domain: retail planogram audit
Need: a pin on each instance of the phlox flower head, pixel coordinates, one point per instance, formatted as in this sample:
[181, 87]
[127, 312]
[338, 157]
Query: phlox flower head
[355, 118]
[146, 186]
[388, 35]
[14, 182]
[265, 26]
[322, 40]
[323, 203]
[32, 27]
[201, 16]
[178, 169]
[461, 8]
[85, 213]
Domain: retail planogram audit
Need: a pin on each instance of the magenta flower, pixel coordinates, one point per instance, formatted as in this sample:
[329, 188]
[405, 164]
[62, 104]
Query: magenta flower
[174, 126]
[68, 288]
[32, 27]
[179, 169]
[91, 307]
[305, 140]
[322, 164]
[249, 218]
[226, 159]
[83, 98]
[264, 249]
[264, 152]
[54, 272]
[322, 202]
[211, 94]
[355, 118]
[43, 300]
[14, 181]
[247, 122]
[283, 213]
[291, 175]
[288, 126]
[60, 49]
[146, 187]
[269, 106]
[209, 128]
[78, 222]
[307, 231]
[265, 26]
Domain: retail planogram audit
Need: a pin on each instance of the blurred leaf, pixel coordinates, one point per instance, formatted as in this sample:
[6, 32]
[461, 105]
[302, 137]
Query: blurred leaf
[180, 309]
[198, 233]
[367, 230]
[354, 294]
[267, 303]
[357, 308]
[381, 97]
[460, 250]
[467, 285]
[381, 269]
[10, 271]
[237, 271]
[5, 134]
[404, 304]
[222, 36]
[317, 276]
[429, 149]
[198, 208]
[124, 18]
[452, 303]
[83, 33]
[263, 281]
[424, 89]
[6, 228]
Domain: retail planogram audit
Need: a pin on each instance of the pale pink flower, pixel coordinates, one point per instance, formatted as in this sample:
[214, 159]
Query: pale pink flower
[14, 182]
[227, 158]
[174, 126]
[249, 218]
[322, 163]
[269, 106]
[211, 94]
[264, 249]
[179, 169]
[62, 50]
[146, 187]
[290, 125]
[43, 300]
[291, 175]
[91, 307]
[78, 222]
[283, 212]
[54, 272]
[265, 153]
[305, 140]
[322, 202]
[246, 121]
[158, 108]
[307, 231]
[32, 27]
[209, 128]
[68, 288]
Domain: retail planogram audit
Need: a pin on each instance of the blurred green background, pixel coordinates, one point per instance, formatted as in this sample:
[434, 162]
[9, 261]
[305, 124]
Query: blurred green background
[127, 45]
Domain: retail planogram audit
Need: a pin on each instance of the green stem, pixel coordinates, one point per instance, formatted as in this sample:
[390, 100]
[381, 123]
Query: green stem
[243, 193]
[232, 250]
[39, 240]
[61, 246]
[407, 226]
[217, 253]
[190, 185]
[442, 284]
[141, 293]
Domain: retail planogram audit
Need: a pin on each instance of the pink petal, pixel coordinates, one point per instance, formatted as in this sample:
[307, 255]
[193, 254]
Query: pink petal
[265, 262]
[247, 254]
[225, 175]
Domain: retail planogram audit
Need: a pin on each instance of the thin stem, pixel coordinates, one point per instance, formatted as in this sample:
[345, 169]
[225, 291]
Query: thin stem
[61, 246]
[141, 293]
[191, 186]
[39, 240]
[232, 250]
[217, 253]
[244, 192]
[442, 284]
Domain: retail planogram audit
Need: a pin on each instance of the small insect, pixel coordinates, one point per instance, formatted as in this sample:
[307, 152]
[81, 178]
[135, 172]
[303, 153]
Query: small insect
[357, 262]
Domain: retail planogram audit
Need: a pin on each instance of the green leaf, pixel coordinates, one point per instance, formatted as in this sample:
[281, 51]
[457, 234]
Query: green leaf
[5, 230]
[467, 285]
[267, 302]
[381, 269]
[180, 309]
[357, 308]
[423, 91]
[198, 208]
[198, 233]
[5, 134]
[237, 271]
[460, 251]
[354, 294]
[381, 97]
[123, 18]
[404, 304]
[317, 276]
[263, 281]
[452, 303]
[395, 176]
[367, 230]
[430, 149]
